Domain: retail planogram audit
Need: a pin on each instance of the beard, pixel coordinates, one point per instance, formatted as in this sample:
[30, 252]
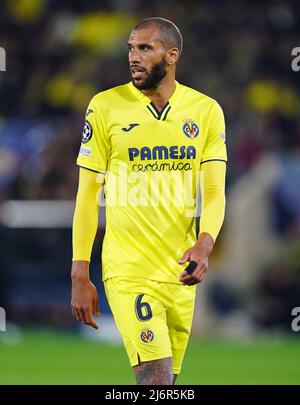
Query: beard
[153, 78]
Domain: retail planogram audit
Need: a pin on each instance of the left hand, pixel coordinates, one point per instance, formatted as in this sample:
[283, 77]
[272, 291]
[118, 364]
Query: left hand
[198, 253]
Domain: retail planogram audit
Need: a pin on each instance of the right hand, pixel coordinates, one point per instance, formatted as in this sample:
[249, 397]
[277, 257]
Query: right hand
[85, 301]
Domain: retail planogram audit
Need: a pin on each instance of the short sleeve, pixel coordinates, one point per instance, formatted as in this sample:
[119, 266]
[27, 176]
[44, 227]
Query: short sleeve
[94, 148]
[215, 146]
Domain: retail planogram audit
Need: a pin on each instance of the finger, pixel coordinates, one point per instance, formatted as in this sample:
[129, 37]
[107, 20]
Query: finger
[191, 279]
[96, 310]
[91, 321]
[88, 319]
[83, 315]
[202, 276]
[74, 313]
[186, 278]
[191, 282]
[185, 257]
[197, 279]
[94, 324]
[182, 275]
[186, 281]
[77, 315]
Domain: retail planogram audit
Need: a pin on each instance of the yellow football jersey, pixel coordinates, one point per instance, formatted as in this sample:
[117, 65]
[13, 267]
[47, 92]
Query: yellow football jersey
[152, 164]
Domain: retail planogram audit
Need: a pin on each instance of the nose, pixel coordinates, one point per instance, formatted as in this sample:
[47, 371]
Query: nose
[134, 56]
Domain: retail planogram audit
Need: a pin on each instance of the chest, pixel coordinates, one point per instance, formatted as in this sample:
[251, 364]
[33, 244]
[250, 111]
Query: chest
[135, 134]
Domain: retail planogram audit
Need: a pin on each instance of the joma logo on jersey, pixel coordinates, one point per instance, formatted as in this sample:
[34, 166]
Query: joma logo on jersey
[129, 128]
[162, 152]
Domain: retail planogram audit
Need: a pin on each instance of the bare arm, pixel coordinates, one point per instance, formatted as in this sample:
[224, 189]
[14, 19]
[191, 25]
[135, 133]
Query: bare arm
[85, 301]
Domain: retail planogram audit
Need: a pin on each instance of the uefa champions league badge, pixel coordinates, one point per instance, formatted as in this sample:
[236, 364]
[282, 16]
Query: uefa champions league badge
[87, 132]
[147, 335]
[190, 128]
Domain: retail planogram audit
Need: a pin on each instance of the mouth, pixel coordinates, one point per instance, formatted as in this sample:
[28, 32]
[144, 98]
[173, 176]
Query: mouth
[137, 72]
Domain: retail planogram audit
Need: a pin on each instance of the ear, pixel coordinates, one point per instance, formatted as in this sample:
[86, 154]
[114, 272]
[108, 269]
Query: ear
[172, 56]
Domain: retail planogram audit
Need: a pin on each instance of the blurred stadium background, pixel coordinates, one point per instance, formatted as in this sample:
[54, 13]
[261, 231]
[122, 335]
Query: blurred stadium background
[59, 54]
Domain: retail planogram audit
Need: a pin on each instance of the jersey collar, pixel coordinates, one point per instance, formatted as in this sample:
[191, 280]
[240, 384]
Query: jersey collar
[159, 115]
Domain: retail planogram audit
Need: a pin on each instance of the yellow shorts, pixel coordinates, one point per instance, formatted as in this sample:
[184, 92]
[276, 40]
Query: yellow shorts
[154, 318]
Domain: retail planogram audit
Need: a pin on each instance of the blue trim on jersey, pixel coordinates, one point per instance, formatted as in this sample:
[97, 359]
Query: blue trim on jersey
[159, 113]
[167, 112]
[214, 160]
[151, 112]
[91, 170]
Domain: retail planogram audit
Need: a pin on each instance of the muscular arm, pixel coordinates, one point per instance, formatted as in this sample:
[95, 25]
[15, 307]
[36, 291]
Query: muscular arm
[84, 294]
[212, 217]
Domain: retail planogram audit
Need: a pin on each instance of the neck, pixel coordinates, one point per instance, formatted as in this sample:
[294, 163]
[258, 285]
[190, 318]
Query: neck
[163, 92]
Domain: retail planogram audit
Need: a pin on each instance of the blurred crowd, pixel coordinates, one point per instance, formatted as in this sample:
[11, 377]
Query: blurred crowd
[61, 52]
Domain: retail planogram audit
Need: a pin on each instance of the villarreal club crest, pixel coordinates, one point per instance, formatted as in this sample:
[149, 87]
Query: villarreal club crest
[190, 128]
[147, 335]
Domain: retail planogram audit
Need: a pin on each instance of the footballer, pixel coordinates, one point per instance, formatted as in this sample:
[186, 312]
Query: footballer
[154, 145]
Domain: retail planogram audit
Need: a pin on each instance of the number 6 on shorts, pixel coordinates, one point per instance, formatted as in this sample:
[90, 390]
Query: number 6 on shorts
[142, 309]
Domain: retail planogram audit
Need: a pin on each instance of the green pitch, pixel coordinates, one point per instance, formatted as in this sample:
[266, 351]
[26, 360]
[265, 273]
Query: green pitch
[50, 358]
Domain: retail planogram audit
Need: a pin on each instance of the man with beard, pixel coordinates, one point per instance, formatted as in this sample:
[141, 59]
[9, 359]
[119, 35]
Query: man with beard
[149, 142]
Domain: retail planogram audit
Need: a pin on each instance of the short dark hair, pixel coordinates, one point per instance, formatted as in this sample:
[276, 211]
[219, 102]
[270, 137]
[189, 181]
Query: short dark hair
[171, 36]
